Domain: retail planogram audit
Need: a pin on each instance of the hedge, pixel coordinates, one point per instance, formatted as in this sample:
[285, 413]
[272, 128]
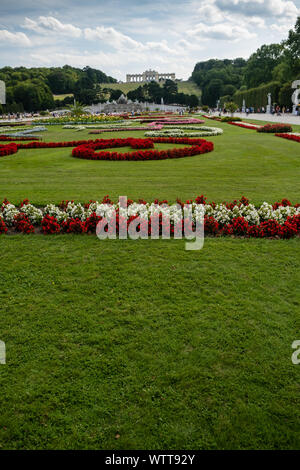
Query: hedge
[258, 97]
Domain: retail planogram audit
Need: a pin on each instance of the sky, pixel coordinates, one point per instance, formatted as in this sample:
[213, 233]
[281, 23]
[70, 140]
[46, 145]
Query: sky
[119, 37]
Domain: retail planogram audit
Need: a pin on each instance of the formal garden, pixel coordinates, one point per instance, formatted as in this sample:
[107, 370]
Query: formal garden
[140, 344]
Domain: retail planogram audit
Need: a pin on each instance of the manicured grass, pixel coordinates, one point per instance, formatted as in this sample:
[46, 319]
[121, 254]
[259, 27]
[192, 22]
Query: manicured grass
[168, 348]
[244, 162]
[62, 97]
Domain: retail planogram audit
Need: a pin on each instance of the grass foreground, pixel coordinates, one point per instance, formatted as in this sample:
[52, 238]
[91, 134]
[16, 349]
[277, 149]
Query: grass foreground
[167, 348]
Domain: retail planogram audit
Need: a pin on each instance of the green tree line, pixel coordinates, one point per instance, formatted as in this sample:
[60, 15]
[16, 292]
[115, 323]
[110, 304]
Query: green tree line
[153, 92]
[32, 89]
[272, 68]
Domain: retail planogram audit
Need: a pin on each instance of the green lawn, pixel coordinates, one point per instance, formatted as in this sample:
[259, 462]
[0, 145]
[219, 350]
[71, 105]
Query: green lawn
[244, 162]
[170, 349]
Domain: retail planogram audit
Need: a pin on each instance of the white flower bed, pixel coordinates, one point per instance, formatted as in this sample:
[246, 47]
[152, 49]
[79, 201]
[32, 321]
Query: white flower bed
[179, 132]
[114, 126]
[27, 132]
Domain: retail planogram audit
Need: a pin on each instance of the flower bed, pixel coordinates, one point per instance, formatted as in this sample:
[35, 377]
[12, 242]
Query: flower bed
[292, 136]
[246, 125]
[214, 118]
[88, 151]
[8, 149]
[87, 148]
[275, 128]
[238, 218]
[84, 119]
[177, 132]
[230, 119]
[177, 122]
[115, 125]
[6, 138]
[118, 129]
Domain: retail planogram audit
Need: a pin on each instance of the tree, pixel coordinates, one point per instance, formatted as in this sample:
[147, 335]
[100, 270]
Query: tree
[212, 92]
[193, 101]
[292, 46]
[285, 95]
[261, 64]
[170, 87]
[76, 109]
[231, 107]
[61, 82]
[115, 94]
[229, 90]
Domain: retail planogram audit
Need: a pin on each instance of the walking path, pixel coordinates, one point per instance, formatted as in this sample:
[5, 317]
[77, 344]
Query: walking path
[283, 118]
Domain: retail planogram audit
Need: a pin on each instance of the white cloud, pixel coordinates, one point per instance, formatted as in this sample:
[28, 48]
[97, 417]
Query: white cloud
[120, 41]
[210, 13]
[48, 24]
[112, 37]
[222, 31]
[18, 39]
[266, 8]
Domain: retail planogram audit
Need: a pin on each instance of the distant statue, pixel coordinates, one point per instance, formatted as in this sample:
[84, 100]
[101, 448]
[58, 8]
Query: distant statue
[295, 95]
[269, 107]
[2, 93]
[122, 99]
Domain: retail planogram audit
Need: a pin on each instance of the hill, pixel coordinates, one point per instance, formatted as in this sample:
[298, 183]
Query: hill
[187, 87]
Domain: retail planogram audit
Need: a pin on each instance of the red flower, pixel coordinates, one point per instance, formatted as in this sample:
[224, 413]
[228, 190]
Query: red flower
[296, 138]
[3, 228]
[23, 224]
[50, 225]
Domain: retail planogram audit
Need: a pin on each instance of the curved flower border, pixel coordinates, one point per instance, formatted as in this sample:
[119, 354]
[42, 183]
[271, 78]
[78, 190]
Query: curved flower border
[86, 149]
[88, 152]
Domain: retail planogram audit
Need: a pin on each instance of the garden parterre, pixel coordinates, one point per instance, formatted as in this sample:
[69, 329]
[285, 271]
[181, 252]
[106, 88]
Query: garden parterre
[170, 347]
[239, 165]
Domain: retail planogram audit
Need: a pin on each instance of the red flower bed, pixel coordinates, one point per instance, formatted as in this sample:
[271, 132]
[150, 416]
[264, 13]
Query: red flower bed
[23, 224]
[278, 128]
[50, 225]
[141, 144]
[295, 138]
[198, 146]
[50, 145]
[86, 148]
[3, 228]
[241, 124]
[73, 226]
[6, 138]
[8, 149]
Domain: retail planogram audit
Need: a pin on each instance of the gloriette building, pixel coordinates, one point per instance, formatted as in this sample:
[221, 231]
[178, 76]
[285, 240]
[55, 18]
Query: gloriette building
[149, 76]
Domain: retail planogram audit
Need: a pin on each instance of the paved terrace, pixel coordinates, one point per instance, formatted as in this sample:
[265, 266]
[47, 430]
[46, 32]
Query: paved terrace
[283, 118]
